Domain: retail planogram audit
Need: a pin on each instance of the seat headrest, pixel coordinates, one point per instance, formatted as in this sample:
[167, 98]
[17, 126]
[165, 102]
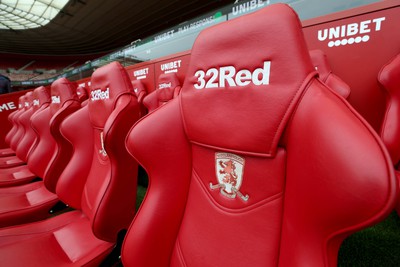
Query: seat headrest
[21, 101]
[28, 102]
[82, 93]
[321, 64]
[138, 87]
[108, 84]
[41, 96]
[263, 74]
[62, 91]
[389, 75]
[167, 83]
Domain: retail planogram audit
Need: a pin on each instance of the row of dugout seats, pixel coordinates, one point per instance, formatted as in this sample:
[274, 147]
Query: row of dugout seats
[266, 164]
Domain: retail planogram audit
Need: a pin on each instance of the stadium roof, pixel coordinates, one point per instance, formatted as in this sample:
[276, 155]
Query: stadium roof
[79, 27]
[28, 14]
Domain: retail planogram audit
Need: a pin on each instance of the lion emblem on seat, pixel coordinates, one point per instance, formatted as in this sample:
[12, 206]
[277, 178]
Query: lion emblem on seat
[229, 172]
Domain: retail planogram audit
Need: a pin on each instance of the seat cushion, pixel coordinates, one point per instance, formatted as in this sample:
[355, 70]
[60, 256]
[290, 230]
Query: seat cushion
[64, 240]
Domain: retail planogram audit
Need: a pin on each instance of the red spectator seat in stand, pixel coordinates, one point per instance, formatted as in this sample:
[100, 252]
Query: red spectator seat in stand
[24, 120]
[41, 100]
[32, 202]
[141, 92]
[389, 78]
[5, 152]
[324, 70]
[168, 87]
[259, 166]
[64, 102]
[20, 131]
[86, 236]
[21, 174]
[83, 96]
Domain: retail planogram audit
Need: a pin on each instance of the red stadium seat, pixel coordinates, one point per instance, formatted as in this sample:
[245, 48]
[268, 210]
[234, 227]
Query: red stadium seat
[52, 151]
[139, 89]
[256, 163]
[19, 133]
[22, 121]
[141, 92]
[324, 70]
[82, 93]
[5, 152]
[389, 78]
[28, 136]
[106, 205]
[41, 100]
[46, 124]
[12, 176]
[168, 88]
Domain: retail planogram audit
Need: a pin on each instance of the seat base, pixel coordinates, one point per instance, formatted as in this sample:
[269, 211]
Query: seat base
[11, 161]
[16, 176]
[6, 152]
[64, 240]
[25, 204]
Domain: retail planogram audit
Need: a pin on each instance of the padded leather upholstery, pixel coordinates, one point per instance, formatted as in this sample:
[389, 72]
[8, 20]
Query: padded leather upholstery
[168, 87]
[141, 92]
[82, 93]
[32, 202]
[389, 78]
[53, 152]
[110, 192]
[321, 64]
[85, 236]
[260, 166]
[26, 136]
[27, 99]
[21, 174]
[77, 130]
[41, 100]
[139, 89]
[13, 117]
[69, 103]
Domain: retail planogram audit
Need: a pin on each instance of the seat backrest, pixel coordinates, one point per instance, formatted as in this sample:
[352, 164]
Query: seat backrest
[109, 194]
[389, 79]
[27, 102]
[321, 64]
[65, 103]
[78, 131]
[168, 87]
[82, 92]
[256, 163]
[141, 92]
[13, 117]
[41, 100]
[52, 151]
[139, 89]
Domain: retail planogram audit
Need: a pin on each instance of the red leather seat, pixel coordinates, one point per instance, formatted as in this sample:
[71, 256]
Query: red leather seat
[12, 176]
[5, 152]
[106, 206]
[41, 100]
[168, 87]
[23, 121]
[34, 201]
[389, 78]
[141, 92]
[321, 64]
[13, 140]
[82, 93]
[28, 136]
[259, 166]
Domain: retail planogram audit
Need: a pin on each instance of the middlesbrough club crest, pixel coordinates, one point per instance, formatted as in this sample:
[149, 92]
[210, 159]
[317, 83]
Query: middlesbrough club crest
[229, 171]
